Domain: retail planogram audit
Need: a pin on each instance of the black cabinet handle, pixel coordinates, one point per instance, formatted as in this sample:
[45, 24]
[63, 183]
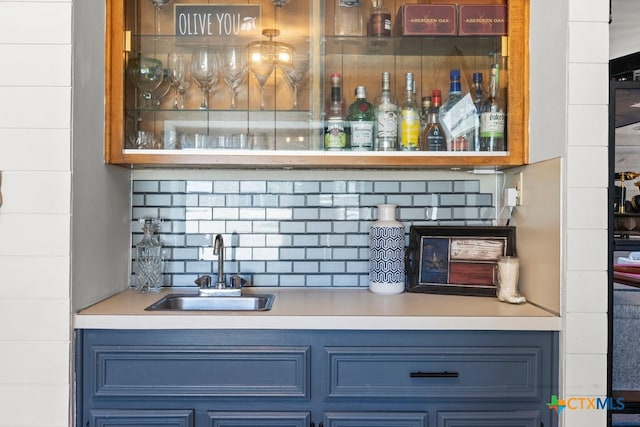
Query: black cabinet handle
[443, 374]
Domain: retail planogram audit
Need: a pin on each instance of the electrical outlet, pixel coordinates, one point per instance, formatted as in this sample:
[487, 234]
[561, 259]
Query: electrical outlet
[518, 184]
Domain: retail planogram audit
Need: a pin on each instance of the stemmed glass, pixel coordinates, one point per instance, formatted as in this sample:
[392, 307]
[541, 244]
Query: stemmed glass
[295, 73]
[233, 66]
[159, 4]
[262, 64]
[147, 75]
[204, 70]
[175, 65]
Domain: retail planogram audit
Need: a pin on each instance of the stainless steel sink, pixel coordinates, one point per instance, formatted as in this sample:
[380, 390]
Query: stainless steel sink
[178, 302]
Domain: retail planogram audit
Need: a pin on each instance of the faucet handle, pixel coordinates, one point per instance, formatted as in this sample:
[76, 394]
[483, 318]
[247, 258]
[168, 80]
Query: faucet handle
[237, 281]
[204, 281]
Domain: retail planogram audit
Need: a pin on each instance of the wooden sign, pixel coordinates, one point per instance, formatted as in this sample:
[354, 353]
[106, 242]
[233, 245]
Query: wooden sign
[213, 20]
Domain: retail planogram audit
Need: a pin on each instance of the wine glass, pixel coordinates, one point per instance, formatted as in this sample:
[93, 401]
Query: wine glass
[147, 75]
[159, 4]
[295, 73]
[233, 66]
[161, 91]
[175, 65]
[262, 64]
[204, 70]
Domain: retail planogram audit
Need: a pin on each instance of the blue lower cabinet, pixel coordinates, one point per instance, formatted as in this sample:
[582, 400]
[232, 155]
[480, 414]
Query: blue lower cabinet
[137, 418]
[489, 419]
[313, 378]
[375, 419]
[259, 419]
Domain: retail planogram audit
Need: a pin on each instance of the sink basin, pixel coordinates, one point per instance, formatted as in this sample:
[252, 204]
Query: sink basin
[179, 302]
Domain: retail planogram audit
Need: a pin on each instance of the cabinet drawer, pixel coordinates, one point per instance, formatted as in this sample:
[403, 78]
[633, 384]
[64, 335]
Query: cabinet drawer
[375, 419]
[489, 419]
[259, 419]
[140, 417]
[252, 371]
[474, 373]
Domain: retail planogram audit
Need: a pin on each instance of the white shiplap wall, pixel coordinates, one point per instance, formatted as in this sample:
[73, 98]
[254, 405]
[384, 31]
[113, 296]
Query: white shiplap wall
[35, 219]
[584, 339]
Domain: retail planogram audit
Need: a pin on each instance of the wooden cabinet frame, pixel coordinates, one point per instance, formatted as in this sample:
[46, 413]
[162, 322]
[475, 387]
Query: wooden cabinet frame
[518, 115]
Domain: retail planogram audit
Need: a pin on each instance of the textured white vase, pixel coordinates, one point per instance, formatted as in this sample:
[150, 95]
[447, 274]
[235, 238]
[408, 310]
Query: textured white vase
[386, 253]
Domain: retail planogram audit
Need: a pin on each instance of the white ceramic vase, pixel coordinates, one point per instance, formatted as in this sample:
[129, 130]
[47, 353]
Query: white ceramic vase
[386, 253]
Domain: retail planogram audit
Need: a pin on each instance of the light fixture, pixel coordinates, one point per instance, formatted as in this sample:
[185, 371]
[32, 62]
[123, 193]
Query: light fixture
[269, 51]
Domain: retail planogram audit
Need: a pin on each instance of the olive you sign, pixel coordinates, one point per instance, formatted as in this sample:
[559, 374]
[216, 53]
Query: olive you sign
[211, 20]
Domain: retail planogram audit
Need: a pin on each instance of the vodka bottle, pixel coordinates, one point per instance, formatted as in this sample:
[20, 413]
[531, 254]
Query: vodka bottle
[380, 20]
[409, 117]
[361, 118]
[386, 124]
[493, 116]
[459, 137]
[433, 135]
[335, 130]
[149, 261]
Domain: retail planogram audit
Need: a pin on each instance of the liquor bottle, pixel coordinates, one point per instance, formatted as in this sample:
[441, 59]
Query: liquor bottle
[386, 123]
[149, 259]
[409, 117]
[493, 116]
[477, 93]
[349, 19]
[335, 131]
[459, 136]
[361, 118]
[424, 113]
[433, 135]
[380, 20]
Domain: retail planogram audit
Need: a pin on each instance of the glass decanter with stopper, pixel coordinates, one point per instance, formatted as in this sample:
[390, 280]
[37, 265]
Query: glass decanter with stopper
[149, 258]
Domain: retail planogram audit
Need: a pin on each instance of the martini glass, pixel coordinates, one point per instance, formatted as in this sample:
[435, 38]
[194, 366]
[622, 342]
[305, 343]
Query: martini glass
[159, 4]
[204, 70]
[295, 73]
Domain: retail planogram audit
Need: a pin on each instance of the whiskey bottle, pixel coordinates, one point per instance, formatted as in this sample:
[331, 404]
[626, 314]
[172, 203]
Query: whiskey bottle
[433, 135]
[380, 20]
[335, 129]
[361, 118]
[409, 117]
[493, 116]
[386, 123]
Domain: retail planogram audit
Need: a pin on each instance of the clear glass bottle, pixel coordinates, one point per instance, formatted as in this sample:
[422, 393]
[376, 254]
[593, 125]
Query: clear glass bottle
[361, 118]
[459, 138]
[493, 116]
[349, 18]
[149, 258]
[433, 135]
[409, 117]
[386, 123]
[335, 130]
[424, 113]
[380, 20]
[477, 93]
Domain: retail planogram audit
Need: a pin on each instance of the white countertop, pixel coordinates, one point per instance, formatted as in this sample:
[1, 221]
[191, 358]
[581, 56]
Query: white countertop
[304, 308]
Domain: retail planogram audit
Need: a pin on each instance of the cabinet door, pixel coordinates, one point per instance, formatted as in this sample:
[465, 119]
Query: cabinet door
[489, 419]
[375, 419]
[137, 418]
[264, 126]
[259, 419]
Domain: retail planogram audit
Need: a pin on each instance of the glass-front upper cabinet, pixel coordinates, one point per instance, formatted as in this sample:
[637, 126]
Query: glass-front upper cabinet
[321, 83]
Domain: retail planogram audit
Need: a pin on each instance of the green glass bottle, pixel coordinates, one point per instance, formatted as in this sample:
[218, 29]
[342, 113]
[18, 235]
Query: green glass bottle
[361, 119]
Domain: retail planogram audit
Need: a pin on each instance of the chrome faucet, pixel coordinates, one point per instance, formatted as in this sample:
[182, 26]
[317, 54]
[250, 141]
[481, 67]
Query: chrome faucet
[218, 249]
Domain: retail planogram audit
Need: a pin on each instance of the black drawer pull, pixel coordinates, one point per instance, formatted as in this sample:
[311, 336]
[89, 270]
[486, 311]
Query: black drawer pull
[444, 374]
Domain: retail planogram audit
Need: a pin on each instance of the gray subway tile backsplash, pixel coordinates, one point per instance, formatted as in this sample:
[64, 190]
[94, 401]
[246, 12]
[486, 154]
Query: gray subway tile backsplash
[292, 233]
